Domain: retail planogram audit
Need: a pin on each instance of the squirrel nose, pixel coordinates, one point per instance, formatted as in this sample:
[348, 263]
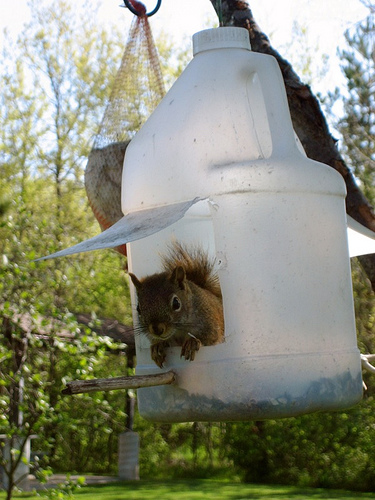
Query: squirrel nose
[157, 329]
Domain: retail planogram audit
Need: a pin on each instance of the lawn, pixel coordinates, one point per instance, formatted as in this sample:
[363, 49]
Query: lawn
[201, 489]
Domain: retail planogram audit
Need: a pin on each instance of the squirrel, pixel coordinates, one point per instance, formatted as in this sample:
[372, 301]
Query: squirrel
[182, 305]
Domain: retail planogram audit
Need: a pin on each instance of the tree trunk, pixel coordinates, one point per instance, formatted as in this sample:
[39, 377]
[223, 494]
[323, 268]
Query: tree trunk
[308, 120]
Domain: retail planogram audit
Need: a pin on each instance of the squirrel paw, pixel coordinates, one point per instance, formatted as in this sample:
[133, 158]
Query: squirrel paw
[190, 347]
[158, 354]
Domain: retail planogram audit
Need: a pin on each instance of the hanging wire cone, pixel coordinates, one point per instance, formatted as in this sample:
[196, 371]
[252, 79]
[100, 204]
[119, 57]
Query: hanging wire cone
[137, 89]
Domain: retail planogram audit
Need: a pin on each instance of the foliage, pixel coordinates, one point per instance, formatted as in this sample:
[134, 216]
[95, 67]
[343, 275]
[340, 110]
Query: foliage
[37, 354]
[365, 316]
[194, 449]
[53, 96]
[88, 426]
[321, 450]
[66, 489]
[358, 123]
[301, 53]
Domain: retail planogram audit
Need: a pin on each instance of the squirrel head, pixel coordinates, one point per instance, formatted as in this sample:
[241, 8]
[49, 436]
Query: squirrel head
[163, 303]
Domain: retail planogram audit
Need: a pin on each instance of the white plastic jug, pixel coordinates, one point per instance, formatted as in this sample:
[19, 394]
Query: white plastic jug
[275, 222]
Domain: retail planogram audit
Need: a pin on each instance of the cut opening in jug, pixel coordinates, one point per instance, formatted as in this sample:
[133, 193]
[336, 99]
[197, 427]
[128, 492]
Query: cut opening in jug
[176, 292]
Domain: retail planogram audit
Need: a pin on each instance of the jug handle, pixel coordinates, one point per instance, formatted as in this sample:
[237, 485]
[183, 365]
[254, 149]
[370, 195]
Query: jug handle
[276, 105]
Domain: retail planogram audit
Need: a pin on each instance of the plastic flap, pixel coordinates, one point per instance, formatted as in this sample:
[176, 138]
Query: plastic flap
[361, 239]
[137, 225]
[133, 226]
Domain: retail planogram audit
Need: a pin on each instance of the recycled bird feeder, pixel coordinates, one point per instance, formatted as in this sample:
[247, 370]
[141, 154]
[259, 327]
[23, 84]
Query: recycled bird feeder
[218, 164]
[275, 222]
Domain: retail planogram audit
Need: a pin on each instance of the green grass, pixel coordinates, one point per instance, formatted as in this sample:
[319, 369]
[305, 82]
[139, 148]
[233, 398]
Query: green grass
[201, 490]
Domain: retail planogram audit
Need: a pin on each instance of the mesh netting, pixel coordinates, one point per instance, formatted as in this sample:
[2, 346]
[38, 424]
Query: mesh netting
[137, 89]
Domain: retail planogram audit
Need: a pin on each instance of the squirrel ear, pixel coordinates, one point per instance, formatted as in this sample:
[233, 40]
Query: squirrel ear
[135, 281]
[178, 276]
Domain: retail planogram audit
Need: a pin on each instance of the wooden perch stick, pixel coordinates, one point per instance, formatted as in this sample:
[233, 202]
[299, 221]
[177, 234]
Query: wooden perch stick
[114, 383]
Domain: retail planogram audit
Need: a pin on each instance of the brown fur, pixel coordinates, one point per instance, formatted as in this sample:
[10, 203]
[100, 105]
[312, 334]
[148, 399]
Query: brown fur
[181, 305]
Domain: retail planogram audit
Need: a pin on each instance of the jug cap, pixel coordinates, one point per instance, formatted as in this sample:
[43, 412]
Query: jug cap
[221, 38]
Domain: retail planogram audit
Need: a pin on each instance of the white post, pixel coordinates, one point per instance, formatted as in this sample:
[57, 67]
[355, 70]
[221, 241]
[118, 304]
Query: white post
[23, 469]
[128, 457]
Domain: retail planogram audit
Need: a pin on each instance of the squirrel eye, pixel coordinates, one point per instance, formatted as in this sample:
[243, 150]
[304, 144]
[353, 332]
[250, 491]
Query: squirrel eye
[138, 310]
[176, 304]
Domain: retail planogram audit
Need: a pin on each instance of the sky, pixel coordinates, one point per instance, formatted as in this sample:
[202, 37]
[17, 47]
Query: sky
[326, 20]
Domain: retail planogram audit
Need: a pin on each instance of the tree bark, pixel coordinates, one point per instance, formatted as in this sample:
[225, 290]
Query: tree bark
[308, 119]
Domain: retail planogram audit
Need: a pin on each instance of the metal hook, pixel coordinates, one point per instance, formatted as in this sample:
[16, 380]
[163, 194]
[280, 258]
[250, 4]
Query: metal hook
[139, 13]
